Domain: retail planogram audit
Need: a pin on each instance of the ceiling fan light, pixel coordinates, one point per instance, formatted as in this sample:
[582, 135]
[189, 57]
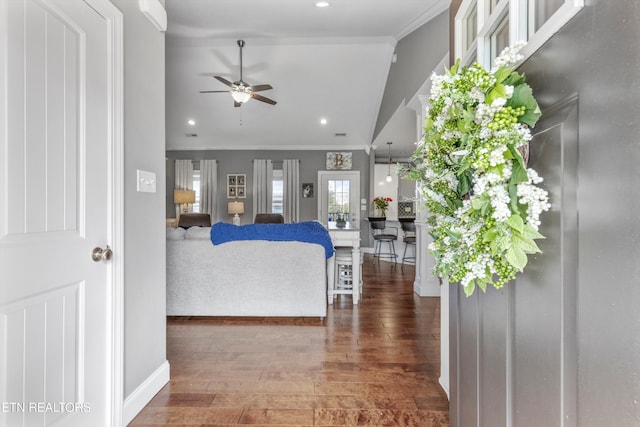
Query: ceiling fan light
[240, 96]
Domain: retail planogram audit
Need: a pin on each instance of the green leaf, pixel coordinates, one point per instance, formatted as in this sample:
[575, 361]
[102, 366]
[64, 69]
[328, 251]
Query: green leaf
[516, 257]
[515, 154]
[514, 79]
[464, 124]
[523, 96]
[468, 290]
[530, 117]
[516, 223]
[526, 244]
[519, 174]
[464, 182]
[531, 233]
[454, 69]
[490, 235]
[454, 236]
[482, 285]
[481, 203]
[513, 198]
[502, 74]
[498, 91]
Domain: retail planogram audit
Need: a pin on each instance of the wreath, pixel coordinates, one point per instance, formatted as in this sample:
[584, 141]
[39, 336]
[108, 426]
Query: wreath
[484, 202]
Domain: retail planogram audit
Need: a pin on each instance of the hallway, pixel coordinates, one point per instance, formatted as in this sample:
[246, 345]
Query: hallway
[373, 365]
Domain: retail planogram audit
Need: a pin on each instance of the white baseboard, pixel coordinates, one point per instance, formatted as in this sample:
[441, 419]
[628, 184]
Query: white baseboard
[445, 386]
[143, 394]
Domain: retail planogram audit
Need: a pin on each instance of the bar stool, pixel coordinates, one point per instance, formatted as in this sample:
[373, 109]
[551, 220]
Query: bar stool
[344, 273]
[409, 239]
[383, 234]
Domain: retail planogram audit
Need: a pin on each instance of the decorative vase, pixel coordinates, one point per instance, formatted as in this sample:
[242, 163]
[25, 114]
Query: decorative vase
[380, 213]
[341, 222]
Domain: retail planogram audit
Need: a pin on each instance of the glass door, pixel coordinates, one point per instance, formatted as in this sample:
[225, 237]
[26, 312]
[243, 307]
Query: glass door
[339, 196]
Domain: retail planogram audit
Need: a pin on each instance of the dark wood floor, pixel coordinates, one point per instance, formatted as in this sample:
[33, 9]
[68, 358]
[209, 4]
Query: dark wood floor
[375, 364]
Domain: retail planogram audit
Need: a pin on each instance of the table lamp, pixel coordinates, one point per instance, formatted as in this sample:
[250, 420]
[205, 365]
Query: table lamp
[236, 209]
[184, 197]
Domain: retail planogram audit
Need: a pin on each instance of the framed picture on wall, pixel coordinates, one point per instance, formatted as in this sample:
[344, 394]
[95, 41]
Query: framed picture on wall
[339, 160]
[307, 190]
[236, 186]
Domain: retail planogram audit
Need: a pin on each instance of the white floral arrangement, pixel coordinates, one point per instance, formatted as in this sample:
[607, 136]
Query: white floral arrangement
[485, 204]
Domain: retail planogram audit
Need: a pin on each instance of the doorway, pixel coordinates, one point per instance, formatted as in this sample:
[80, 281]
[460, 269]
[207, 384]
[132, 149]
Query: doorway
[339, 195]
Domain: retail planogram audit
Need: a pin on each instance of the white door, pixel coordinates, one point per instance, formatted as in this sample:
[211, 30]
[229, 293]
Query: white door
[56, 205]
[339, 193]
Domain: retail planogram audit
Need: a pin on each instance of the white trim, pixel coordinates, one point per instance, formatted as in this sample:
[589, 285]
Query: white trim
[138, 399]
[334, 147]
[559, 19]
[433, 11]
[444, 378]
[518, 15]
[115, 25]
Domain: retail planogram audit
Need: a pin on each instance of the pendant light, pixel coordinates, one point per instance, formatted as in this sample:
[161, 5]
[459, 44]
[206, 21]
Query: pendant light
[389, 179]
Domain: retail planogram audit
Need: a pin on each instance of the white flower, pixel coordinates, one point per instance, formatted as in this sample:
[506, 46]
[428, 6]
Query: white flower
[535, 198]
[497, 155]
[508, 89]
[500, 203]
[509, 56]
[477, 94]
[498, 103]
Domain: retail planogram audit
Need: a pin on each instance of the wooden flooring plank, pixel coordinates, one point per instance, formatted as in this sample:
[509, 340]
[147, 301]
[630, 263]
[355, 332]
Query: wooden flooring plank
[375, 364]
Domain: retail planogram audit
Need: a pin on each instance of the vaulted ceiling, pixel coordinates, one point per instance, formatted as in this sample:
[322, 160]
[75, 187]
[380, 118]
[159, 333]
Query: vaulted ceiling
[329, 63]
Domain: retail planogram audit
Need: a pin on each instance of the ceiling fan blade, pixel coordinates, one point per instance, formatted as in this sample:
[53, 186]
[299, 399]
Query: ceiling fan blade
[214, 91]
[263, 98]
[223, 80]
[258, 88]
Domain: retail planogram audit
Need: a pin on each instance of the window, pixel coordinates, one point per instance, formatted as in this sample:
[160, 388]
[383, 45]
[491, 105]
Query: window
[277, 192]
[196, 188]
[484, 27]
[338, 198]
[540, 11]
[499, 38]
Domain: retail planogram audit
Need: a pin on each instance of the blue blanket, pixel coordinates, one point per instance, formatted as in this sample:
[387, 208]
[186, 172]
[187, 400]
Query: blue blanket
[308, 232]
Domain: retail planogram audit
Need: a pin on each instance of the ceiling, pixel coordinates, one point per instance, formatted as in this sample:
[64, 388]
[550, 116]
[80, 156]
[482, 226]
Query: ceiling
[327, 63]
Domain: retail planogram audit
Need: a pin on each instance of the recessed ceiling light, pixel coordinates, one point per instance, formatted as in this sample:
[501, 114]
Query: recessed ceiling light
[191, 122]
[323, 121]
[323, 4]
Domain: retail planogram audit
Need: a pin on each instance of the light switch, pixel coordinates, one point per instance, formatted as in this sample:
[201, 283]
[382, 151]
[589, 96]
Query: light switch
[146, 181]
[363, 201]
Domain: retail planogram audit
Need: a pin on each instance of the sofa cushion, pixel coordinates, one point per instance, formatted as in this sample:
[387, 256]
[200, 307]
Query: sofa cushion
[198, 233]
[175, 233]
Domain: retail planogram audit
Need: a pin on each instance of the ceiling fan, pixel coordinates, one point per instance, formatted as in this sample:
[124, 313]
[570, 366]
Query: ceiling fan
[240, 90]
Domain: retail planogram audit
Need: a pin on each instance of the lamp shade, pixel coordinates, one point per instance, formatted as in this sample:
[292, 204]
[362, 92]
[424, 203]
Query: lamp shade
[235, 207]
[184, 196]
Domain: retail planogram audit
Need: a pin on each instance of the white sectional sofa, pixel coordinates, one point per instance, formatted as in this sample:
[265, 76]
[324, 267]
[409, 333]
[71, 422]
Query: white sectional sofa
[243, 278]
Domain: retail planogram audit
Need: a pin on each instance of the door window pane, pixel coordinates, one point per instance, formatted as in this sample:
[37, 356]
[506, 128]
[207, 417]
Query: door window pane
[338, 198]
[500, 39]
[471, 28]
[542, 11]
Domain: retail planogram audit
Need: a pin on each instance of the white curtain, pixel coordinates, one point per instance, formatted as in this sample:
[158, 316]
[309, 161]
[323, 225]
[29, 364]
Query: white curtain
[262, 186]
[291, 187]
[184, 179]
[209, 187]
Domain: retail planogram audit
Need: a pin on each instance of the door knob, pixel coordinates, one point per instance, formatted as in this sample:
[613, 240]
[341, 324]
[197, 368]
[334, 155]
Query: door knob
[100, 254]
